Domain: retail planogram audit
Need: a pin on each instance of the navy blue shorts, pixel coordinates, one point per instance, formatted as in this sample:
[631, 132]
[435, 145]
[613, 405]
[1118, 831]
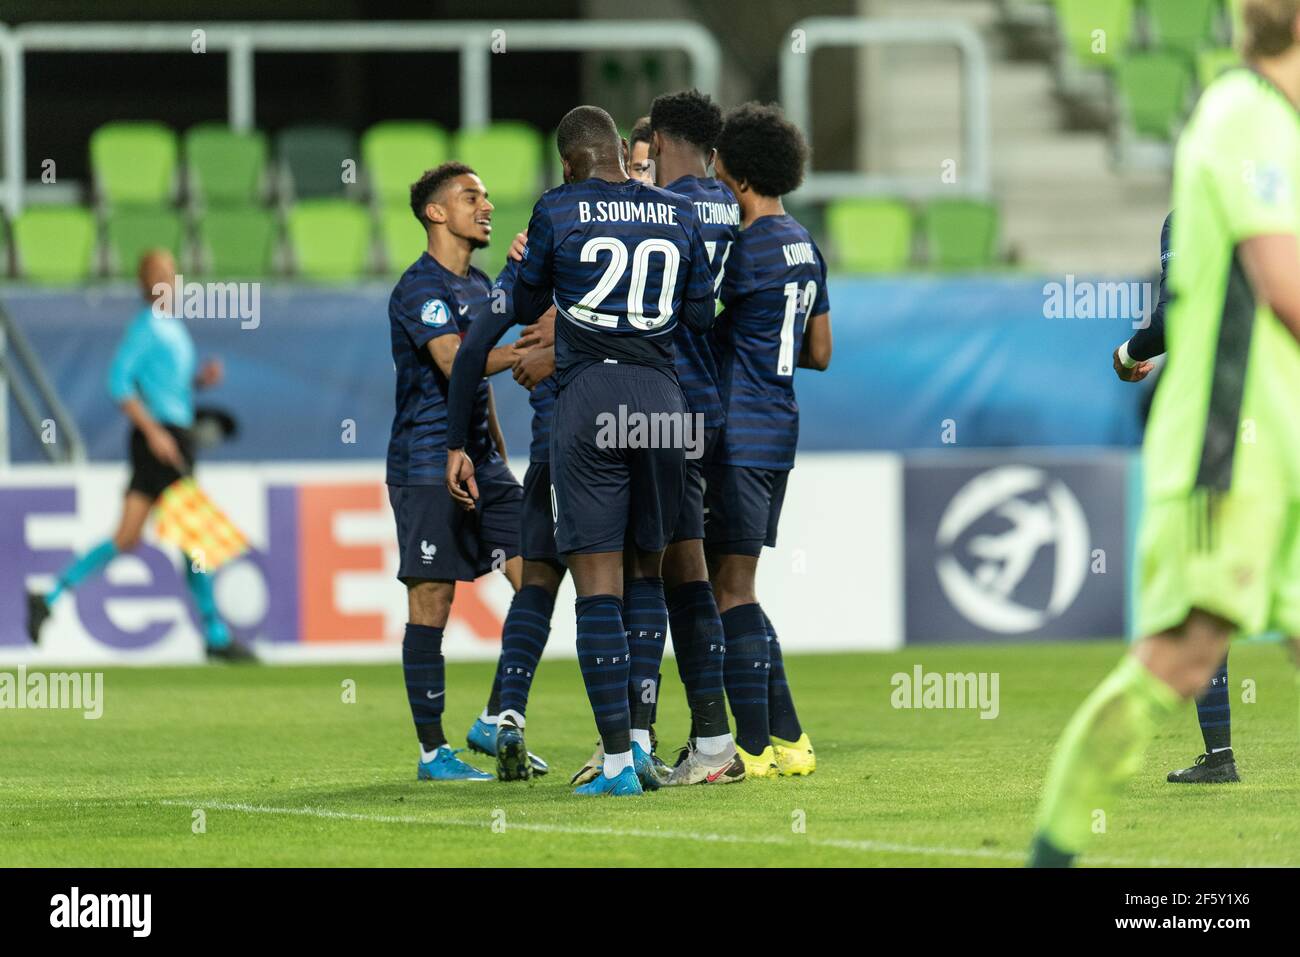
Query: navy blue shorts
[611, 485]
[744, 508]
[440, 541]
[690, 523]
[537, 521]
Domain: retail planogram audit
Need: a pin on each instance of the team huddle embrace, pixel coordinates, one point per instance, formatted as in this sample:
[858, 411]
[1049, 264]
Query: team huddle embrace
[662, 296]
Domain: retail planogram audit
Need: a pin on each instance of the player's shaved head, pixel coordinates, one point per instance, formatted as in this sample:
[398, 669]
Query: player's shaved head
[588, 139]
[1269, 27]
[157, 268]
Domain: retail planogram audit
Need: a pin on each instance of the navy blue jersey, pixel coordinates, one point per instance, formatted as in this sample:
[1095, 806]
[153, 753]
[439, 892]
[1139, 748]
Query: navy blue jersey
[719, 217]
[542, 399]
[774, 282]
[1150, 342]
[427, 302]
[623, 263]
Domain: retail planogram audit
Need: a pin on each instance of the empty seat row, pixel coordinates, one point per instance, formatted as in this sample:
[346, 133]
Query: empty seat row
[317, 239]
[141, 163]
[887, 235]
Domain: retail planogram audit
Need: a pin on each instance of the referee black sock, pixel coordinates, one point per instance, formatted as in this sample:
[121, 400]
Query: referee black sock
[745, 672]
[1214, 712]
[698, 643]
[423, 666]
[603, 658]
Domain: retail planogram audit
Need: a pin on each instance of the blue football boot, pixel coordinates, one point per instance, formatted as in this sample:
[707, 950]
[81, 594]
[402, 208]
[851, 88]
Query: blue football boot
[649, 768]
[623, 784]
[445, 766]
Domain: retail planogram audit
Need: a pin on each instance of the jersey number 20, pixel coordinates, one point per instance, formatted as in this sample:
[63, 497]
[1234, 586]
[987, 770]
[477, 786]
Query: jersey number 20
[587, 308]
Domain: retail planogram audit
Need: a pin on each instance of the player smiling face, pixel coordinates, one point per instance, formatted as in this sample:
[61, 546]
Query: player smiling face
[466, 211]
[454, 198]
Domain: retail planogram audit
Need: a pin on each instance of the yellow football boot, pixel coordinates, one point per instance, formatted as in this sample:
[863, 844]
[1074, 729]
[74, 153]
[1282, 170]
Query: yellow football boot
[762, 765]
[794, 757]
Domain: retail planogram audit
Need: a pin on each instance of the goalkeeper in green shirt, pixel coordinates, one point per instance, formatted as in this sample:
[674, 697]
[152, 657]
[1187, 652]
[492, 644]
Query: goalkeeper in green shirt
[1219, 548]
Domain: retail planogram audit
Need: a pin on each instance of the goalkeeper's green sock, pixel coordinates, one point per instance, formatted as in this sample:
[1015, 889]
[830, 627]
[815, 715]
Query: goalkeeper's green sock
[1100, 749]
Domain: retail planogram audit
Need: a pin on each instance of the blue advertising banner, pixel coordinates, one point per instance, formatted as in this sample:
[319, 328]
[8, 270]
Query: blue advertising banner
[1020, 545]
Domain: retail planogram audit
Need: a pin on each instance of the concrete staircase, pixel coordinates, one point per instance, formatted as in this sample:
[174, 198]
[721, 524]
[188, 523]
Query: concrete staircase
[1065, 207]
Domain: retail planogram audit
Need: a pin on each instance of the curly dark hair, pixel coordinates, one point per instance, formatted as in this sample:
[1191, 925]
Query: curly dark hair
[424, 189]
[759, 146]
[687, 115]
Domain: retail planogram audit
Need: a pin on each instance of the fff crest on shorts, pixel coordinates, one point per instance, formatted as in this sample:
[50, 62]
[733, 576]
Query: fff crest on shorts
[435, 313]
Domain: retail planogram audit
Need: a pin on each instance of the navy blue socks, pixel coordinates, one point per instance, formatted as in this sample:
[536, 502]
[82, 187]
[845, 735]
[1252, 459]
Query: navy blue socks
[783, 720]
[423, 666]
[745, 674]
[1214, 712]
[603, 658]
[528, 625]
[698, 643]
[645, 616]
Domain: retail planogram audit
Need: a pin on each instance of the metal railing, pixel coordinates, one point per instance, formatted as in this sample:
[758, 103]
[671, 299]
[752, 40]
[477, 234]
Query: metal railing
[22, 374]
[476, 42]
[796, 97]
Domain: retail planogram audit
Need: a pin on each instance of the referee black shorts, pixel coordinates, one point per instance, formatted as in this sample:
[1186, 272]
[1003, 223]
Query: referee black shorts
[151, 477]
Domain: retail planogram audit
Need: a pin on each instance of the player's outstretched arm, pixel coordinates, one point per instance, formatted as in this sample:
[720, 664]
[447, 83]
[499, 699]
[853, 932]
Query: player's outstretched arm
[1272, 265]
[815, 353]
[467, 363]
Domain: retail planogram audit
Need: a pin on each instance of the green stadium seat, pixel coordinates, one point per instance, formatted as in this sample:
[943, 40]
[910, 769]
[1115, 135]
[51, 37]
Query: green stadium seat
[237, 241]
[134, 230]
[401, 238]
[134, 163]
[224, 166]
[508, 218]
[1183, 25]
[396, 152]
[330, 239]
[508, 158]
[961, 233]
[1213, 61]
[312, 158]
[55, 244]
[1153, 90]
[870, 235]
[1106, 24]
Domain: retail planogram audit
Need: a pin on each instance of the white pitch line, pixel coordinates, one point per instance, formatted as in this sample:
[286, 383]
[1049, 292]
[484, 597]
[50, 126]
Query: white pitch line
[695, 836]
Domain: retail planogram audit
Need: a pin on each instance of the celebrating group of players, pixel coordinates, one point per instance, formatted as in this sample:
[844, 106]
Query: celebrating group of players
[677, 306]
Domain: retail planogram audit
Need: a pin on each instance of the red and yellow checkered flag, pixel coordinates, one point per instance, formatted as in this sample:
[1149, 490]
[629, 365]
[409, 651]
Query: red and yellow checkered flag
[190, 520]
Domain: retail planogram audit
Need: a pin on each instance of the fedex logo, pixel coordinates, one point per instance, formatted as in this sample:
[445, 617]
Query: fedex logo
[310, 576]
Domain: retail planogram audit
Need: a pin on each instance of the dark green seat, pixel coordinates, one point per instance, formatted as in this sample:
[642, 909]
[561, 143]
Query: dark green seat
[312, 159]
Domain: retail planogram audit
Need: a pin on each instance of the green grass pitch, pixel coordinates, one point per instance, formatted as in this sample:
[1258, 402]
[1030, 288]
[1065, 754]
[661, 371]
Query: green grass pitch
[286, 773]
